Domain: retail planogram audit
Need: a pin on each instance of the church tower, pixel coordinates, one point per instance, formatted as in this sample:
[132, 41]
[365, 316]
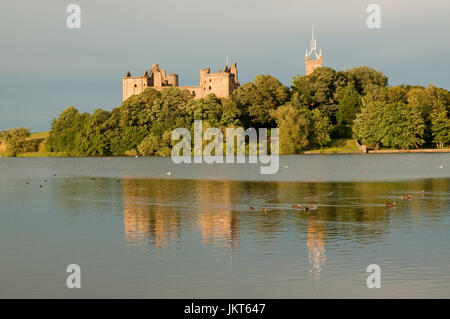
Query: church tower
[312, 64]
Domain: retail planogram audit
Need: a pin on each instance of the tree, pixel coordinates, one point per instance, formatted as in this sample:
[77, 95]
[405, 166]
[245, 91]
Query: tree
[316, 89]
[367, 125]
[320, 129]
[302, 94]
[169, 111]
[440, 127]
[402, 126]
[399, 116]
[231, 114]
[397, 94]
[208, 109]
[15, 139]
[67, 132]
[97, 142]
[425, 100]
[113, 133]
[136, 110]
[155, 145]
[256, 100]
[149, 145]
[375, 93]
[294, 129]
[349, 105]
[321, 89]
[362, 77]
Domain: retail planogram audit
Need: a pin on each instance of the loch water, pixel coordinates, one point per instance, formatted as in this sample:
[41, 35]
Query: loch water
[149, 228]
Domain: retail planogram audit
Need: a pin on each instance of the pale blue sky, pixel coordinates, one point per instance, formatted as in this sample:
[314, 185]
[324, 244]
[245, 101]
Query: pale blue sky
[45, 66]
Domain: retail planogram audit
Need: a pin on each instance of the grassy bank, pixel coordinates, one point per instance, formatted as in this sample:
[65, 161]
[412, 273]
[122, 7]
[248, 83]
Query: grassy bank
[338, 146]
[44, 154]
[39, 135]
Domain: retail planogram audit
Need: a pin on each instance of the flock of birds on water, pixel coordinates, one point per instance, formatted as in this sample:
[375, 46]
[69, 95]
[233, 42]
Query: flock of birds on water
[404, 197]
[306, 208]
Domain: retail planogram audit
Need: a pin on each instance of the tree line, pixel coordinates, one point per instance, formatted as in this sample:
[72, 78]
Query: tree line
[325, 105]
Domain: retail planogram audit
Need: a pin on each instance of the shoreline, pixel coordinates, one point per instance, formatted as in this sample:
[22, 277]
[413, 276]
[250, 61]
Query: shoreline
[425, 150]
[313, 152]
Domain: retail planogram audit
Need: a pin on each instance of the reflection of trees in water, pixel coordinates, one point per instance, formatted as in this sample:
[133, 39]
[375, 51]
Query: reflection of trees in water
[83, 196]
[157, 212]
[353, 211]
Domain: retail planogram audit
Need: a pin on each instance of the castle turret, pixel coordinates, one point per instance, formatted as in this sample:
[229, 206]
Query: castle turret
[172, 79]
[233, 71]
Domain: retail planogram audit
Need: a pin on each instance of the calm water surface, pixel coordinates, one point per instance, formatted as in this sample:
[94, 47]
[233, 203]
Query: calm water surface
[137, 232]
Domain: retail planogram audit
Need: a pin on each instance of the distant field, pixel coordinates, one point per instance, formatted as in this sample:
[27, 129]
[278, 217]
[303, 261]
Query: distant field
[39, 135]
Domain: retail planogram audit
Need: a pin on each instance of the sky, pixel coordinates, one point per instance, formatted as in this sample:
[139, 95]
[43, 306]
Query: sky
[45, 66]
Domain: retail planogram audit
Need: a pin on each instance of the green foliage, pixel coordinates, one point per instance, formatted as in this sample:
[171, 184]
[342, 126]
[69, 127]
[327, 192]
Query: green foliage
[402, 127]
[363, 77]
[375, 93]
[15, 139]
[425, 100]
[231, 114]
[398, 94]
[320, 129]
[349, 105]
[367, 125]
[294, 129]
[322, 83]
[149, 146]
[67, 133]
[394, 125]
[208, 109]
[317, 89]
[324, 102]
[258, 98]
[155, 145]
[440, 128]
[321, 89]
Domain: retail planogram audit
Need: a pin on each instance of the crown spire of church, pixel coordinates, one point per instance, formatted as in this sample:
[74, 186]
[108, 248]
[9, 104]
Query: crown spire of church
[310, 63]
[313, 48]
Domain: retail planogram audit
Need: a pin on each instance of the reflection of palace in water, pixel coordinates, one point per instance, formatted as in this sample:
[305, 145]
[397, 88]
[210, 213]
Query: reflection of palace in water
[150, 219]
[219, 225]
[144, 222]
[156, 213]
[316, 246]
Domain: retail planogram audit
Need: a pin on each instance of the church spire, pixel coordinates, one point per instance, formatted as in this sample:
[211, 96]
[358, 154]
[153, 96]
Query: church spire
[312, 64]
[313, 48]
